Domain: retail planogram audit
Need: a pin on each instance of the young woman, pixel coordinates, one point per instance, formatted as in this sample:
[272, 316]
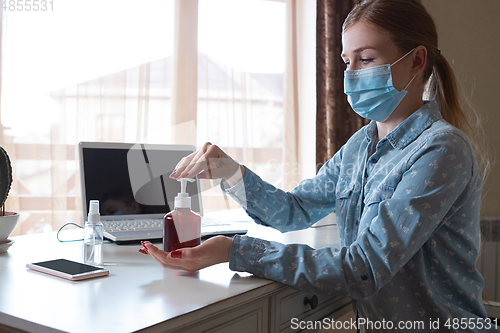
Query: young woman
[406, 188]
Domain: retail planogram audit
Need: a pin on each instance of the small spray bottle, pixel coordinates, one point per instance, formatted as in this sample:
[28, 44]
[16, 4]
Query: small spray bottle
[182, 226]
[93, 239]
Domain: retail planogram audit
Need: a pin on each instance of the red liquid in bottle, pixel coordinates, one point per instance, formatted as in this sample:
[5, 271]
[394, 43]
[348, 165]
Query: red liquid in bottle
[188, 221]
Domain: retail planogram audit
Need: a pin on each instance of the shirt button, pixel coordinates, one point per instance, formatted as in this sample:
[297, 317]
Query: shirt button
[373, 160]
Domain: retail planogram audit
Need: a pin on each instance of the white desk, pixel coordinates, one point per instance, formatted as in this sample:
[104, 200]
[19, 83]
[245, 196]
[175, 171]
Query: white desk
[139, 294]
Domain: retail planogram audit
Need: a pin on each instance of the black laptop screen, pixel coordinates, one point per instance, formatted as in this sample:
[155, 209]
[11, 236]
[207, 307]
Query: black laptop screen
[133, 180]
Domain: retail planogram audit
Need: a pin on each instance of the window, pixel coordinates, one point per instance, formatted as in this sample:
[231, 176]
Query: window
[74, 74]
[102, 70]
[241, 68]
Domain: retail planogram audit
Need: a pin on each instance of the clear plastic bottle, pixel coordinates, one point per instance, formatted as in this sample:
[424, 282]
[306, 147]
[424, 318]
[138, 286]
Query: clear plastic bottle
[182, 226]
[93, 239]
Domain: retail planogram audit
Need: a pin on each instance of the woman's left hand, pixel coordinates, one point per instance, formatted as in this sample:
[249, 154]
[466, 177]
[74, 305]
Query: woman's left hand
[213, 251]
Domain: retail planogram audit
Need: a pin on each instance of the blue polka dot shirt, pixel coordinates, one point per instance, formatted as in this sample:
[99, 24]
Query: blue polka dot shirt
[407, 211]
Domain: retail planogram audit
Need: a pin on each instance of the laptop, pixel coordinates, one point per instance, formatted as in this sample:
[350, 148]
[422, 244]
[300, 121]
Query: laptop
[132, 184]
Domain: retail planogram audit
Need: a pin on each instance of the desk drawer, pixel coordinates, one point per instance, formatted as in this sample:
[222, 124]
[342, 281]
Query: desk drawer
[251, 318]
[290, 304]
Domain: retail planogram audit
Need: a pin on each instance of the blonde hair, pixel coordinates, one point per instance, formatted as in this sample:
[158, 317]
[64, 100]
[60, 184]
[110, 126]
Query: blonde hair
[410, 25]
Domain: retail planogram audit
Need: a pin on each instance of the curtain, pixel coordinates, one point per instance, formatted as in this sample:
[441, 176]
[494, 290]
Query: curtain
[185, 89]
[335, 120]
[291, 118]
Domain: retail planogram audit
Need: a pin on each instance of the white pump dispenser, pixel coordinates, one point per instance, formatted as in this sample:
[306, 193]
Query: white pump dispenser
[183, 200]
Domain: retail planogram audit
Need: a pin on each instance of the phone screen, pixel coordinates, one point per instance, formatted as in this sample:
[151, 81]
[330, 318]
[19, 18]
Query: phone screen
[67, 266]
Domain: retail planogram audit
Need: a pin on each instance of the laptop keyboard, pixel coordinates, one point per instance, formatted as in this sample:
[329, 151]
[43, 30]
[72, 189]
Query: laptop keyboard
[132, 225]
[128, 225]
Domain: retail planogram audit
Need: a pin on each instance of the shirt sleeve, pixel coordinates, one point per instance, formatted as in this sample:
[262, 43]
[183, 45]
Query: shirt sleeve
[435, 182]
[306, 204]
[297, 265]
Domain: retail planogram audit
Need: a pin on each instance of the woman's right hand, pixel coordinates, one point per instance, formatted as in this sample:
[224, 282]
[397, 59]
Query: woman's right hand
[209, 162]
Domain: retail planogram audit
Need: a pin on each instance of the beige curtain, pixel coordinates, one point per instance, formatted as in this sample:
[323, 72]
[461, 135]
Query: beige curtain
[291, 163]
[185, 90]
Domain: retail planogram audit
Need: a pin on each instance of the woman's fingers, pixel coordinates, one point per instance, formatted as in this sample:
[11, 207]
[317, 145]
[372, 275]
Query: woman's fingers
[166, 260]
[209, 162]
[197, 164]
[213, 251]
[184, 163]
[195, 167]
[155, 253]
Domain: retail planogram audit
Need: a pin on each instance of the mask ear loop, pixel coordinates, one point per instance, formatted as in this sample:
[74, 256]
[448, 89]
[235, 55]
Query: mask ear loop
[409, 83]
[402, 57]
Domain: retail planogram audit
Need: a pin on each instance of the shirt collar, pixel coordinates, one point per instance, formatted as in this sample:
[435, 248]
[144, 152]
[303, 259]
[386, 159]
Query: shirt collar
[411, 127]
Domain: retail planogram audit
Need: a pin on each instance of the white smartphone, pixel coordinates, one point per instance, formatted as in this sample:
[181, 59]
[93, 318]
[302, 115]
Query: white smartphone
[68, 269]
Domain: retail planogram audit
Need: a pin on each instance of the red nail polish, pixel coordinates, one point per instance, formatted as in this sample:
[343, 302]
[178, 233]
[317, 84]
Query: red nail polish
[143, 251]
[176, 254]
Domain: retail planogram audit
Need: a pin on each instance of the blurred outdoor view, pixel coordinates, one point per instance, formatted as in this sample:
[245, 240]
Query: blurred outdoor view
[101, 70]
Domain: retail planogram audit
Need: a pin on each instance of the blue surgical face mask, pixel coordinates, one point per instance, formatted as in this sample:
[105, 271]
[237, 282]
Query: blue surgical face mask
[371, 93]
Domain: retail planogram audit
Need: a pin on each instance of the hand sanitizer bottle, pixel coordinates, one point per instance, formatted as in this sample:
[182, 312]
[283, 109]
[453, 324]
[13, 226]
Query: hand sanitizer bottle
[182, 226]
[93, 238]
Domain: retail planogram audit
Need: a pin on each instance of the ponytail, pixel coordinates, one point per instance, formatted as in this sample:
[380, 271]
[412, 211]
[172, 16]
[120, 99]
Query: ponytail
[442, 87]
